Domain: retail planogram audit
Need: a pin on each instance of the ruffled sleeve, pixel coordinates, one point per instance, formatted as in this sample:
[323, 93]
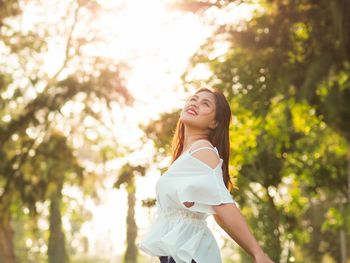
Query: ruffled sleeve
[204, 186]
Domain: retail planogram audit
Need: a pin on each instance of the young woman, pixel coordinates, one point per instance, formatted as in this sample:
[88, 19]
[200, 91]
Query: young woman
[195, 186]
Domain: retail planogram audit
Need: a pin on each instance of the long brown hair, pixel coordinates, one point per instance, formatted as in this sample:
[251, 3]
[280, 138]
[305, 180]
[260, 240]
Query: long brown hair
[219, 136]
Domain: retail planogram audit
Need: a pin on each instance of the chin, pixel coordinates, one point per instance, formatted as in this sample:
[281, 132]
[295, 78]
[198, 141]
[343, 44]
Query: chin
[185, 121]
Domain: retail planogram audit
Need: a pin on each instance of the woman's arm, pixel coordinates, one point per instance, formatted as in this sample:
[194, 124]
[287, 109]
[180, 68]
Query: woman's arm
[231, 220]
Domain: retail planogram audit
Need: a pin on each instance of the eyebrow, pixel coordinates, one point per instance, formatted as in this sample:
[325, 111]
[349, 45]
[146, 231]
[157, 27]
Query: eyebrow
[196, 96]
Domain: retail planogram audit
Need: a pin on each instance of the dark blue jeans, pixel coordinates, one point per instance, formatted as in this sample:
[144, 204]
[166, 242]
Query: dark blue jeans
[165, 259]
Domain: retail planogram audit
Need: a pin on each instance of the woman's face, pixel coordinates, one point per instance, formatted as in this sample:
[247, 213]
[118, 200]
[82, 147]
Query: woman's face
[199, 111]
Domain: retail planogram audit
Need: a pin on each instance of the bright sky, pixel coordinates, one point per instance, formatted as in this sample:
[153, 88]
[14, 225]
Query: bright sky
[156, 43]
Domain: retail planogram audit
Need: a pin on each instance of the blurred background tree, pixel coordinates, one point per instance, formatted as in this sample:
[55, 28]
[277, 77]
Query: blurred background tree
[127, 177]
[36, 161]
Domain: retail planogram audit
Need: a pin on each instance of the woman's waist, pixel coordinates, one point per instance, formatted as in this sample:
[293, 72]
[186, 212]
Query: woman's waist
[182, 213]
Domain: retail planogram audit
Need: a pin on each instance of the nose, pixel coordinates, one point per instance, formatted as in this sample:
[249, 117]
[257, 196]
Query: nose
[194, 103]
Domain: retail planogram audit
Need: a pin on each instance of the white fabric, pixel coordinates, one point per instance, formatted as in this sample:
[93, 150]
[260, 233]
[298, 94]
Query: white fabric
[179, 231]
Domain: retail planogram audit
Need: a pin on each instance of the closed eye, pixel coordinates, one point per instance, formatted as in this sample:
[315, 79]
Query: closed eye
[206, 103]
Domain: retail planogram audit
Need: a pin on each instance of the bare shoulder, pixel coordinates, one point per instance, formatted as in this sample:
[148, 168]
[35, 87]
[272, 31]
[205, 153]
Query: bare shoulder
[207, 156]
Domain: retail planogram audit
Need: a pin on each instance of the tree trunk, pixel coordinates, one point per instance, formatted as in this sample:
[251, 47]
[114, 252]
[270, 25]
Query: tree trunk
[343, 247]
[343, 255]
[7, 254]
[275, 223]
[131, 227]
[56, 248]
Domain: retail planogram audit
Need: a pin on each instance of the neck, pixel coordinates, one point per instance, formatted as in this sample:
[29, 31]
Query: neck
[191, 135]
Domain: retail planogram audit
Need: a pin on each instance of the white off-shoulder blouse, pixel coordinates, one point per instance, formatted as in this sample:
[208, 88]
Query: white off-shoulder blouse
[179, 231]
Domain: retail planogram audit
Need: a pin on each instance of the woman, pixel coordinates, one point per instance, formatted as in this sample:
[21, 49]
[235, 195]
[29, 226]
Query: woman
[195, 186]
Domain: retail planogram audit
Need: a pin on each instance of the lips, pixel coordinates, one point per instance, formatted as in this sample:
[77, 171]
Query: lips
[191, 111]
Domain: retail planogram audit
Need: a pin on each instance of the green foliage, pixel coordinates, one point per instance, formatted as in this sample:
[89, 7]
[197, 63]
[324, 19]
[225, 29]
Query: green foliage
[160, 131]
[334, 218]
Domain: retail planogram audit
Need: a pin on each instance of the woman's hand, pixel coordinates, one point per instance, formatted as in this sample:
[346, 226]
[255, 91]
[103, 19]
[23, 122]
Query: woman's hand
[262, 258]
